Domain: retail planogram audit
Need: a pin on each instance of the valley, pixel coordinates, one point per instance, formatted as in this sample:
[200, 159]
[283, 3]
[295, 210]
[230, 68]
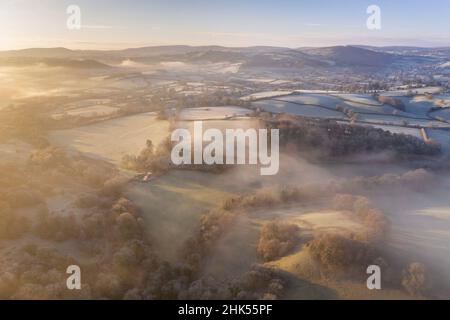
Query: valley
[363, 173]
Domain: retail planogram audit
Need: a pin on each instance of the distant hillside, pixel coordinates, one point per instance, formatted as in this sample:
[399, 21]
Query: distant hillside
[285, 59]
[53, 62]
[352, 56]
[164, 50]
[443, 52]
[182, 50]
[250, 57]
[40, 53]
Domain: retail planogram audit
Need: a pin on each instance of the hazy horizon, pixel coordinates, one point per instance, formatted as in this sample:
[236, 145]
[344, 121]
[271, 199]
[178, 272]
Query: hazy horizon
[221, 46]
[110, 25]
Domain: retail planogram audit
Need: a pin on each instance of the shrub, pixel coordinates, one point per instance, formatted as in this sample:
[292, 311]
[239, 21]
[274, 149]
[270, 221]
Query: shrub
[415, 279]
[276, 240]
[338, 255]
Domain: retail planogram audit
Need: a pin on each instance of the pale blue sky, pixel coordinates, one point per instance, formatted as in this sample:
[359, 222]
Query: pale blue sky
[292, 23]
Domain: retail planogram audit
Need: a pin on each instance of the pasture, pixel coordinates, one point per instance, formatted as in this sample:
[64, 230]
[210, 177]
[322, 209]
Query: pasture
[112, 139]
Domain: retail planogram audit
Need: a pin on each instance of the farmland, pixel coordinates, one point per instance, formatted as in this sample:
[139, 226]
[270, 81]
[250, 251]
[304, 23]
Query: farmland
[130, 134]
[216, 113]
[87, 169]
[365, 110]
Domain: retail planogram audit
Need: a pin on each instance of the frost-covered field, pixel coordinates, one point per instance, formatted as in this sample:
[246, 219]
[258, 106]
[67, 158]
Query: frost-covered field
[298, 109]
[266, 95]
[442, 100]
[326, 101]
[420, 223]
[111, 140]
[87, 112]
[317, 99]
[359, 98]
[441, 136]
[239, 123]
[213, 113]
[400, 121]
[317, 91]
[367, 111]
[417, 105]
[443, 114]
[333, 102]
[366, 108]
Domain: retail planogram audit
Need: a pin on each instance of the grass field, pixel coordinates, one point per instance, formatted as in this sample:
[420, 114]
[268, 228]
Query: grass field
[87, 112]
[442, 114]
[213, 113]
[359, 98]
[441, 136]
[239, 123]
[399, 121]
[111, 140]
[173, 204]
[297, 109]
[266, 95]
[306, 283]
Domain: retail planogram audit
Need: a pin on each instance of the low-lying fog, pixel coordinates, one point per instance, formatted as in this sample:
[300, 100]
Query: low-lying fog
[420, 221]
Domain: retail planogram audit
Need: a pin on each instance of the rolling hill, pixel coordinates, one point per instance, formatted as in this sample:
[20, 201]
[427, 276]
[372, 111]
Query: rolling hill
[353, 56]
[250, 57]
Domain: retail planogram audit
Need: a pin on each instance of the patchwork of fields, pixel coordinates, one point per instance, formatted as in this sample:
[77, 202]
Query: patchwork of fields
[420, 111]
[176, 201]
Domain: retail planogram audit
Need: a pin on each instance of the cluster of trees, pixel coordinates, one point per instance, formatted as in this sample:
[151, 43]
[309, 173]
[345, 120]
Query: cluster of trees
[150, 159]
[120, 222]
[374, 220]
[110, 231]
[49, 158]
[341, 256]
[331, 139]
[122, 263]
[115, 239]
[212, 226]
[348, 112]
[259, 283]
[34, 272]
[396, 103]
[53, 166]
[276, 240]
[109, 228]
[269, 197]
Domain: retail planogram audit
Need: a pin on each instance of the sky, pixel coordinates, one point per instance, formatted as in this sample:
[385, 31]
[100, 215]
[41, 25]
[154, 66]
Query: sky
[116, 24]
